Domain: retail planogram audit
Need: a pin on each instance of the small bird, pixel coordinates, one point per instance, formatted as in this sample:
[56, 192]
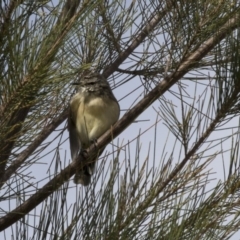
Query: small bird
[93, 110]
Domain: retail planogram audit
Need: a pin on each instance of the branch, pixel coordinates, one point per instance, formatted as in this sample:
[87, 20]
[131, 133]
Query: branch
[17, 101]
[154, 20]
[143, 72]
[32, 147]
[122, 124]
[5, 18]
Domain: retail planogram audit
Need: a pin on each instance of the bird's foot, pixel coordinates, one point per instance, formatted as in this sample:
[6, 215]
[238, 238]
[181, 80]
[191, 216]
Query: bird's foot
[84, 153]
[94, 141]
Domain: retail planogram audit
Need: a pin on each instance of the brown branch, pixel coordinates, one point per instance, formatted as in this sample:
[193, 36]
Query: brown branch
[23, 112]
[22, 105]
[102, 9]
[32, 147]
[122, 124]
[160, 70]
[6, 17]
[150, 26]
[143, 72]
[190, 62]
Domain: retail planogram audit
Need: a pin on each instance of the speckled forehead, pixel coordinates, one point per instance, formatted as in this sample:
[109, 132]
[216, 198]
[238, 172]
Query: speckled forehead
[88, 88]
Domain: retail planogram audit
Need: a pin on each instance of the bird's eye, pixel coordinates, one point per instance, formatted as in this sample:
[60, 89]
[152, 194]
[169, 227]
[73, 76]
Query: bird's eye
[91, 83]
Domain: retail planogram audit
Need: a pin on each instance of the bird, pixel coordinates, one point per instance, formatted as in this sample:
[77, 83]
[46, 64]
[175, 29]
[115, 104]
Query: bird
[93, 110]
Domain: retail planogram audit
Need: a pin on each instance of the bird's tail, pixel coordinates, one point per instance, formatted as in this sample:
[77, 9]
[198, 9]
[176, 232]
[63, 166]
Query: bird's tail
[84, 175]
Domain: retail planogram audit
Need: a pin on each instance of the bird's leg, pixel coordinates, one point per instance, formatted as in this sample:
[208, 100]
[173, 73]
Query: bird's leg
[84, 154]
[94, 141]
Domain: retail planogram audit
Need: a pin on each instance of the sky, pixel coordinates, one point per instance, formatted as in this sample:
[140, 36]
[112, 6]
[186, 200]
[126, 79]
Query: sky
[148, 118]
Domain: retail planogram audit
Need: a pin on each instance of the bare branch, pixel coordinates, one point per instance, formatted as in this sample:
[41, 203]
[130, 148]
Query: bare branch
[153, 21]
[21, 105]
[33, 146]
[125, 121]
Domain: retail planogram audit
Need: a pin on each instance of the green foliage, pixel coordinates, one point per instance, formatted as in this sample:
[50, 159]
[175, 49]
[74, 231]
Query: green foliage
[174, 62]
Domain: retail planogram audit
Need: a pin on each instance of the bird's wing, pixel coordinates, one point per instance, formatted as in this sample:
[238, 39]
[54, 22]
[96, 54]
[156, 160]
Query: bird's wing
[73, 135]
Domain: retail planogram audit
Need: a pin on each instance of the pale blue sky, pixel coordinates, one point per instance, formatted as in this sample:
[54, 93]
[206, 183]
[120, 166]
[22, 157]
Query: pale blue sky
[40, 171]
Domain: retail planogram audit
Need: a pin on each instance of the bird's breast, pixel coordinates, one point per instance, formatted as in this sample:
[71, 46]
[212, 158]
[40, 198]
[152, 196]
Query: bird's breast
[95, 116]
